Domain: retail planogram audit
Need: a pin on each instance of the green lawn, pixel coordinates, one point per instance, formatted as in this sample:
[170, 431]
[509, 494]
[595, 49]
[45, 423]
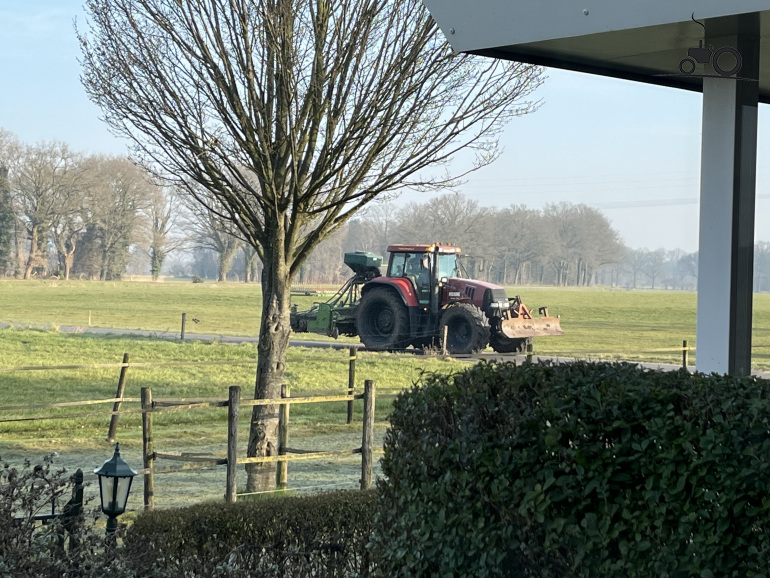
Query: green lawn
[630, 325]
[222, 308]
[598, 322]
[78, 434]
[308, 370]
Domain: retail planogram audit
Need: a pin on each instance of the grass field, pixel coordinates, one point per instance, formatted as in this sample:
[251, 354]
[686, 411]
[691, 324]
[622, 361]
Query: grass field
[80, 440]
[599, 323]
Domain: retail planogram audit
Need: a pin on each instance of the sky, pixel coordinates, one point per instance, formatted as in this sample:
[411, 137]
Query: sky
[628, 149]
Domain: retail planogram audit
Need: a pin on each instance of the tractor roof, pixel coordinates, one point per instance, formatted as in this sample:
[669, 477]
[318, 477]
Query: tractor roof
[443, 248]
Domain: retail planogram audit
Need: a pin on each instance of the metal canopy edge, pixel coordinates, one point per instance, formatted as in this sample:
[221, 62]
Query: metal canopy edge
[643, 41]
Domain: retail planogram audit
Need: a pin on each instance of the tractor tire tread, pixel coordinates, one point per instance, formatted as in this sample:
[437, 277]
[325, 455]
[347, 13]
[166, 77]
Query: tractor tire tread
[375, 303]
[468, 328]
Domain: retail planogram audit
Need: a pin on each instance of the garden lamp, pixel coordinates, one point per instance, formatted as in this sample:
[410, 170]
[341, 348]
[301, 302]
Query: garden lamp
[115, 477]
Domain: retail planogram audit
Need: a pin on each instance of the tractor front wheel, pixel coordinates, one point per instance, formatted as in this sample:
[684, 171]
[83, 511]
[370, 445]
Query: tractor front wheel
[382, 320]
[503, 344]
[467, 328]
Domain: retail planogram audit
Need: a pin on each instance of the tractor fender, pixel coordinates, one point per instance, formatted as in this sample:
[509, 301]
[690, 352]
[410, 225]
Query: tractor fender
[402, 286]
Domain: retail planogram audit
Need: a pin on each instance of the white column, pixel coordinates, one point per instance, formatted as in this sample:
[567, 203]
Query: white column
[728, 182]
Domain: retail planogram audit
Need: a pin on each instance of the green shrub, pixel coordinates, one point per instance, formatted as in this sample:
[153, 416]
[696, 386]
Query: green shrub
[322, 535]
[576, 470]
[197, 279]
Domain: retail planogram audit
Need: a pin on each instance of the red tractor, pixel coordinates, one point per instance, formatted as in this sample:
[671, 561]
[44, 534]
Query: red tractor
[422, 293]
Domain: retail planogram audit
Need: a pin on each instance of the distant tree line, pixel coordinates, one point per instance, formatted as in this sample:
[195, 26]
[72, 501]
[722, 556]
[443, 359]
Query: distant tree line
[65, 214]
[70, 215]
[563, 244]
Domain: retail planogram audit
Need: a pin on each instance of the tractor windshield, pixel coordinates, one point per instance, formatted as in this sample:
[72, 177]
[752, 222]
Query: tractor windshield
[447, 266]
[413, 265]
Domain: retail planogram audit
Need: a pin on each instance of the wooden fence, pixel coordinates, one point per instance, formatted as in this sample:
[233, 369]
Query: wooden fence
[233, 404]
[285, 454]
[685, 349]
[119, 397]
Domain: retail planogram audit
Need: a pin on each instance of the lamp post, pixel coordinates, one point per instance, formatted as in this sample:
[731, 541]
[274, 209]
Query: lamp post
[115, 477]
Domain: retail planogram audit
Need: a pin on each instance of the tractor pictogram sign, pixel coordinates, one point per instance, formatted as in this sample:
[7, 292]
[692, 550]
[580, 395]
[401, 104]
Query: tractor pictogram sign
[701, 55]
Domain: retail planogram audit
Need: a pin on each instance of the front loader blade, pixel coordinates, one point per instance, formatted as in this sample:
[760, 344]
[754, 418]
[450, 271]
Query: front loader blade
[535, 327]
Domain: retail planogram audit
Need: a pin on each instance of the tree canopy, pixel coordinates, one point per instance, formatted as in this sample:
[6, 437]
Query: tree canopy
[292, 115]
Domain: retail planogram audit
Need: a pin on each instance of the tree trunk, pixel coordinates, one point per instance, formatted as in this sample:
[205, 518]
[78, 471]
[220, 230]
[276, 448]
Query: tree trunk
[33, 251]
[156, 262]
[274, 334]
[18, 238]
[68, 260]
[229, 248]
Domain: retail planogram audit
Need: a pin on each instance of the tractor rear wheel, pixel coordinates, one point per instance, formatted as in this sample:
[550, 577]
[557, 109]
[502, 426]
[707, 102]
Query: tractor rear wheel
[382, 320]
[467, 328]
[502, 344]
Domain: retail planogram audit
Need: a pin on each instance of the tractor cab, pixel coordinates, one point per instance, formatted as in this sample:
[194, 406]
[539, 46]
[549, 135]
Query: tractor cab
[424, 265]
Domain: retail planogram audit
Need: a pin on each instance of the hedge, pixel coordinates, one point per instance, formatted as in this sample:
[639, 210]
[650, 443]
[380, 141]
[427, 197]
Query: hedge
[321, 535]
[583, 469]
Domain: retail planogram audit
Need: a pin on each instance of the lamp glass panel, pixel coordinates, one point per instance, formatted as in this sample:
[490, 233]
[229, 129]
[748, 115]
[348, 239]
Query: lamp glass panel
[107, 488]
[124, 484]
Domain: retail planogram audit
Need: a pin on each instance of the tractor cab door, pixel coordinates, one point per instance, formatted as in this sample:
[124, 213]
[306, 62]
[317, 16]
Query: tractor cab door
[416, 267]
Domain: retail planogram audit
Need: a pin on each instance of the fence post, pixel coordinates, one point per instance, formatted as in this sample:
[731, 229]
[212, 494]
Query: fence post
[148, 449]
[351, 380]
[282, 472]
[685, 352]
[443, 341]
[367, 438]
[184, 322]
[530, 352]
[119, 393]
[233, 410]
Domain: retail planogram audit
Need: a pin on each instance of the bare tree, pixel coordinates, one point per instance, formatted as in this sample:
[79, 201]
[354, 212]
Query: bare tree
[516, 234]
[451, 217]
[162, 212]
[250, 263]
[373, 229]
[66, 228]
[599, 244]
[560, 223]
[117, 194]
[654, 265]
[208, 231]
[293, 115]
[8, 148]
[636, 260]
[45, 187]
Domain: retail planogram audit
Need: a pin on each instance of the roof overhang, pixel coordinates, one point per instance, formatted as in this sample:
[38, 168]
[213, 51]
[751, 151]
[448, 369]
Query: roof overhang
[642, 40]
